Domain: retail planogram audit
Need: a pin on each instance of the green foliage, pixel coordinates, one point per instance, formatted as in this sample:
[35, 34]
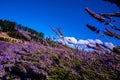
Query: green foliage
[7, 25]
[4, 39]
[17, 35]
[37, 36]
[76, 61]
[52, 43]
[12, 27]
[110, 76]
[116, 50]
[90, 75]
[40, 36]
[63, 74]
[7, 40]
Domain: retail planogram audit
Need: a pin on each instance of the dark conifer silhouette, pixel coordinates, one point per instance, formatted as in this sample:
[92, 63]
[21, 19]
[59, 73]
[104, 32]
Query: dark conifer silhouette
[20, 32]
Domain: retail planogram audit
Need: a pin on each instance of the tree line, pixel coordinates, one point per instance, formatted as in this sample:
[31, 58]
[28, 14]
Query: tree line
[11, 28]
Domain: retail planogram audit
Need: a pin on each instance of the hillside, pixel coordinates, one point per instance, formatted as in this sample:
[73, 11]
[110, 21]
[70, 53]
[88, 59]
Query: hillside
[11, 30]
[35, 61]
[36, 58]
[6, 37]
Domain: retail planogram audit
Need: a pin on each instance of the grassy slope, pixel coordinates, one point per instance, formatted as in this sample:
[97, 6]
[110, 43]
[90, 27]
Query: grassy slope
[35, 61]
[8, 38]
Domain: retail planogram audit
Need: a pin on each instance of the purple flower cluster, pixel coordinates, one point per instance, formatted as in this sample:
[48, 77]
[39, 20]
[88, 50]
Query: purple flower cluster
[34, 61]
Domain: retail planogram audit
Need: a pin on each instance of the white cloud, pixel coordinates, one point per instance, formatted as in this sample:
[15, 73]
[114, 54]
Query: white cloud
[98, 41]
[110, 45]
[63, 42]
[67, 41]
[82, 42]
[71, 41]
[91, 41]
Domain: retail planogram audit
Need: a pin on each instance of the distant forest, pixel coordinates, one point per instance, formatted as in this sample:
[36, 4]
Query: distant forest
[17, 31]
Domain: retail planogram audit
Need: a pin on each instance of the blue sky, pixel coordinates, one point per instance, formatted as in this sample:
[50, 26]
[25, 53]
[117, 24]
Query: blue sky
[70, 15]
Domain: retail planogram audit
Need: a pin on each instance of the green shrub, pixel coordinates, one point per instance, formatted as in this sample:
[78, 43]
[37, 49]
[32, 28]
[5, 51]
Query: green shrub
[63, 74]
[16, 34]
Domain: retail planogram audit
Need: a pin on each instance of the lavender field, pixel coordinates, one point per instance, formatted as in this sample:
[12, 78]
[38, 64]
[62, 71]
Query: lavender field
[35, 61]
[27, 54]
